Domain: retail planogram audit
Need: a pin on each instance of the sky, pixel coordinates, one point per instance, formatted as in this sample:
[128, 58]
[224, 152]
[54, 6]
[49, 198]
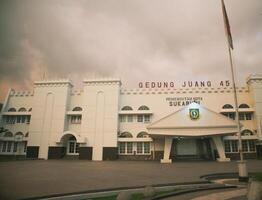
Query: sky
[135, 40]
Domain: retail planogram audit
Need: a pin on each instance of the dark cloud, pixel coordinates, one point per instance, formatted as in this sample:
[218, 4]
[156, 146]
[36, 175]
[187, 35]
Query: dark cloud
[135, 40]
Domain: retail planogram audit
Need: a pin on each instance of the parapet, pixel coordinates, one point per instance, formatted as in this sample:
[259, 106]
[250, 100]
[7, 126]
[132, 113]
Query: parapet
[142, 91]
[21, 93]
[46, 83]
[254, 78]
[102, 81]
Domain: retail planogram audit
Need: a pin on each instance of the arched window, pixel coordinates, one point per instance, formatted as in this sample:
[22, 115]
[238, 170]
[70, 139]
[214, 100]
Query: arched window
[143, 108]
[243, 105]
[227, 106]
[125, 135]
[8, 134]
[72, 138]
[30, 109]
[2, 129]
[247, 132]
[142, 135]
[19, 134]
[21, 110]
[11, 110]
[77, 109]
[127, 108]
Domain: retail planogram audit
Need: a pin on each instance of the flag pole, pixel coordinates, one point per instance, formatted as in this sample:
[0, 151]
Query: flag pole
[236, 105]
[242, 169]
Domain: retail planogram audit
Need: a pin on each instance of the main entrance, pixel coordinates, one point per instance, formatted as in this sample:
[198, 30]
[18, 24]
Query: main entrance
[188, 136]
[191, 149]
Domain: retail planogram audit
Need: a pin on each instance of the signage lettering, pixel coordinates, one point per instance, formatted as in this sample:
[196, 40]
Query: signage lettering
[183, 101]
[188, 84]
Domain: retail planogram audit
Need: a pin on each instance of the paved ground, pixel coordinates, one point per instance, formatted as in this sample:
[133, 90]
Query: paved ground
[226, 194]
[24, 179]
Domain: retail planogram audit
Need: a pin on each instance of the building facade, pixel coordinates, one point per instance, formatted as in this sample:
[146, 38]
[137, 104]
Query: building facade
[156, 121]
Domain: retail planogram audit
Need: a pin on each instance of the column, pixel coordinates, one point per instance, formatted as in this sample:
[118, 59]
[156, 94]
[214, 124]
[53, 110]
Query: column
[220, 149]
[167, 150]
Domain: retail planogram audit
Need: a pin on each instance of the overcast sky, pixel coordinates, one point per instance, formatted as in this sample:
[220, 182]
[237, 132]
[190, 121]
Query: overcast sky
[135, 40]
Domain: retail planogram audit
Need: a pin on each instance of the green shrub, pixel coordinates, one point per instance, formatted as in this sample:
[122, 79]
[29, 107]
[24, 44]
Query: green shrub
[257, 176]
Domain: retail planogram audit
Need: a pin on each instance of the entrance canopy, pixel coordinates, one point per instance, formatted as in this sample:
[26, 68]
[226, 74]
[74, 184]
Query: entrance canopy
[193, 120]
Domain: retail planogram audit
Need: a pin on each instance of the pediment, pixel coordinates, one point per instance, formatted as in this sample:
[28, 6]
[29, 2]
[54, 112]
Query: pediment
[181, 122]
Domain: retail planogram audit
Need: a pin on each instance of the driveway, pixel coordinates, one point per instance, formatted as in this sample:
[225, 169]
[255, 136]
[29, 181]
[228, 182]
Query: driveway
[24, 179]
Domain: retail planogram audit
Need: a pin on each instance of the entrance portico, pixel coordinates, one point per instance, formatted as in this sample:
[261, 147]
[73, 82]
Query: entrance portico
[193, 122]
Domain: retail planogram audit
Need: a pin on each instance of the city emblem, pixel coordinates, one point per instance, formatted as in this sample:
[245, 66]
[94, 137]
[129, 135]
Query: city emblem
[194, 113]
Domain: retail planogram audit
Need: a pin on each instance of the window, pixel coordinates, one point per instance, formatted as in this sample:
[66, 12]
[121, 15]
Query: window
[146, 118]
[11, 110]
[122, 118]
[139, 118]
[142, 135]
[72, 146]
[244, 146]
[227, 106]
[143, 108]
[246, 132]
[139, 148]
[9, 146]
[76, 119]
[15, 147]
[143, 118]
[243, 105]
[248, 116]
[25, 146]
[252, 146]
[19, 119]
[227, 146]
[77, 109]
[248, 145]
[8, 134]
[129, 147]
[241, 116]
[21, 110]
[127, 108]
[10, 119]
[146, 147]
[129, 118]
[230, 115]
[125, 135]
[143, 148]
[122, 147]
[28, 118]
[231, 146]
[125, 147]
[4, 146]
[245, 116]
[23, 118]
[234, 144]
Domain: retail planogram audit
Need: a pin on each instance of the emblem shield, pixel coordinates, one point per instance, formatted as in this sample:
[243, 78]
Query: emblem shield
[194, 113]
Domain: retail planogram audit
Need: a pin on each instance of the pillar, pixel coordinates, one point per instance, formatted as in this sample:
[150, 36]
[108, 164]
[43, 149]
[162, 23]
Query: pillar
[167, 150]
[220, 149]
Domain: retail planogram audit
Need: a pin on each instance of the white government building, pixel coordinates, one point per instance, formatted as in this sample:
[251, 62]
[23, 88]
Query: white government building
[156, 121]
